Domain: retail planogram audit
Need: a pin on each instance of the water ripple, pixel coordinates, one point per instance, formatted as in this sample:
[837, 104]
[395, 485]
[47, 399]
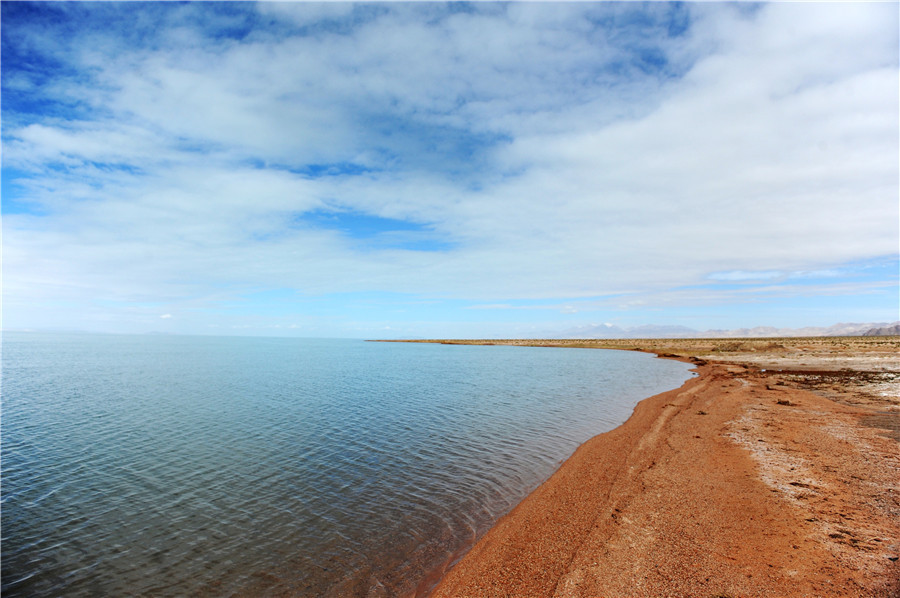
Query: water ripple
[215, 466]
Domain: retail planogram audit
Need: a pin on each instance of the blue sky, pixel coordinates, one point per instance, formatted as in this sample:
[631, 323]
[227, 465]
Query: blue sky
[428, 169]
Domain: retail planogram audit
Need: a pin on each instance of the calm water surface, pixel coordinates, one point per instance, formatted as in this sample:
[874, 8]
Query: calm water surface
[172, 466]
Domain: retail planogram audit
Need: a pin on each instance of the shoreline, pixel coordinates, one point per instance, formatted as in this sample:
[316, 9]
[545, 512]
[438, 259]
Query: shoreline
[773, 472]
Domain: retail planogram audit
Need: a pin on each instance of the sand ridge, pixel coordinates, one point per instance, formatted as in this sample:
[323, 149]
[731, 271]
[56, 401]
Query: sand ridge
[740, 483]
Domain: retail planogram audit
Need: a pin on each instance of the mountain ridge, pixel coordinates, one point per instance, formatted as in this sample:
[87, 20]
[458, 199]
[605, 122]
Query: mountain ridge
[675, 331]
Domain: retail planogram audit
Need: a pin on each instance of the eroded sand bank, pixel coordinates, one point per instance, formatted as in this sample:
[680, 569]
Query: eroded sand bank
[743, 482]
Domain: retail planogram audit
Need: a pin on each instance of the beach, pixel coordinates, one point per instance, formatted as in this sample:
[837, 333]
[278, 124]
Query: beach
[774, 472]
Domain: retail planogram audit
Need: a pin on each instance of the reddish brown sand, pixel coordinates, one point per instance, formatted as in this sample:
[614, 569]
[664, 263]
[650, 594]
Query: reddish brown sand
[739, 483]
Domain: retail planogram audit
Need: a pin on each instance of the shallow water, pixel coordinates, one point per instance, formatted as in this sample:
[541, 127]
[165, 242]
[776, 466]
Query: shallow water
[171, 466]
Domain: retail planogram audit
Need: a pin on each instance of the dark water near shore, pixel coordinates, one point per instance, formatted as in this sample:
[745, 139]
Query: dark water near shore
[172, 466]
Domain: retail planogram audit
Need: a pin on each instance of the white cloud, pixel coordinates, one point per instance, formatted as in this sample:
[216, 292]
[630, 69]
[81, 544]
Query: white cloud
[534, 141]
[740, 275]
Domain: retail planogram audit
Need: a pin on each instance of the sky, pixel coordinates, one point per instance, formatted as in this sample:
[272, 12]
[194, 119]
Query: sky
[448, 170]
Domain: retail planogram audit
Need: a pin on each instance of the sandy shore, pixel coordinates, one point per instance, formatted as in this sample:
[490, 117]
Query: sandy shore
[775, 472]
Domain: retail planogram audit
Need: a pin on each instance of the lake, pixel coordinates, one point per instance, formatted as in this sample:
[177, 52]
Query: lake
[207, 466]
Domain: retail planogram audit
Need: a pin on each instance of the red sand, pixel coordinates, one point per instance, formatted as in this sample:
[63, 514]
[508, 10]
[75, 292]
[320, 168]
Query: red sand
[736, 484]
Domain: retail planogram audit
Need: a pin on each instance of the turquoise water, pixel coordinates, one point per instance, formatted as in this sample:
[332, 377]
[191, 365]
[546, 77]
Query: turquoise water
[172, 466]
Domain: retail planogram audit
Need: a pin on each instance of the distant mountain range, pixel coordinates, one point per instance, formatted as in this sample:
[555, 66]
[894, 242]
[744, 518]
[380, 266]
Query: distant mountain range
[893, 330]
[650, 331]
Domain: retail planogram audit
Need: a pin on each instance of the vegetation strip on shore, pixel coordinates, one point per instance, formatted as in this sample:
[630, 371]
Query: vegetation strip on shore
[773, 473]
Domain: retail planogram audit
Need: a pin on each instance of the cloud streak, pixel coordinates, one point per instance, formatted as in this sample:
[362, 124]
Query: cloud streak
[186, 155]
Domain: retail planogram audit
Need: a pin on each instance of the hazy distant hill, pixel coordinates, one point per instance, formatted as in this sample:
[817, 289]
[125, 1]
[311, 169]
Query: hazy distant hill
[884, 331]
[650, 331]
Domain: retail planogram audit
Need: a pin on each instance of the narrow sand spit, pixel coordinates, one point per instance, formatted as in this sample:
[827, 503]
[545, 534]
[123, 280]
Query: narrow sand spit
[764, 476]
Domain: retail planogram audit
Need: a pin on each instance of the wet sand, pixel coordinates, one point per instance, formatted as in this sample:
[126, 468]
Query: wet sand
[775, 472]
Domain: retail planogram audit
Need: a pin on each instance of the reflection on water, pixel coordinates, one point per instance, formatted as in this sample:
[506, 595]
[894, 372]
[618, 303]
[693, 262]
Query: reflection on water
[173, 466]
